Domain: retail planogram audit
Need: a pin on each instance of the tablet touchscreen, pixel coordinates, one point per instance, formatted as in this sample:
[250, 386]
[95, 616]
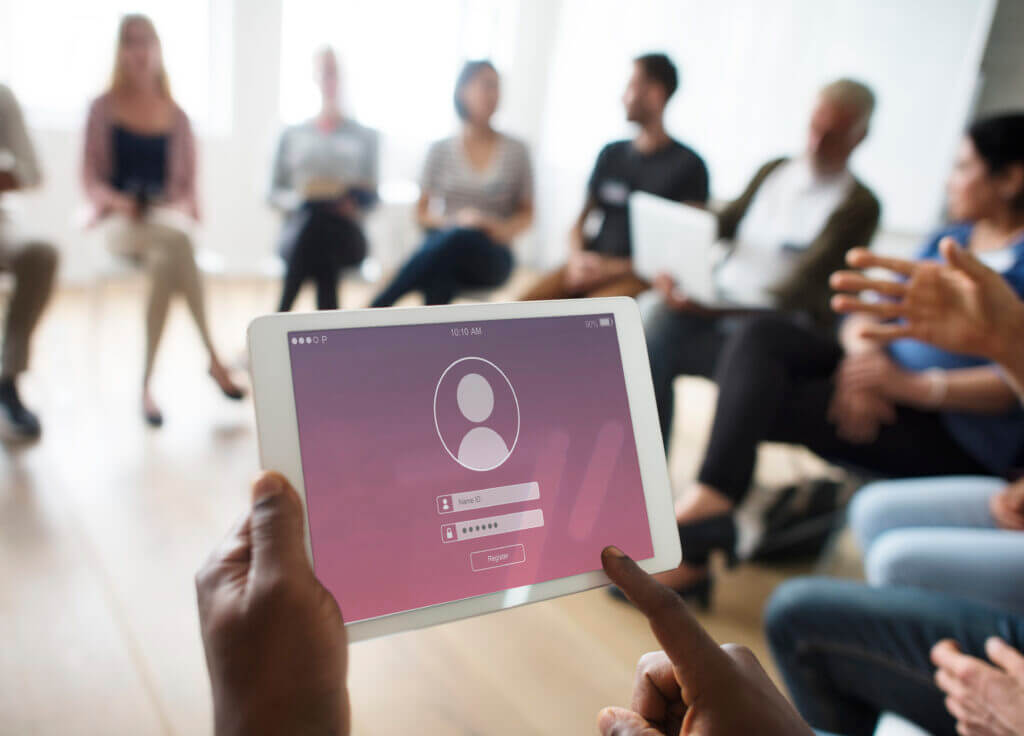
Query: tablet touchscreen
[445, 461]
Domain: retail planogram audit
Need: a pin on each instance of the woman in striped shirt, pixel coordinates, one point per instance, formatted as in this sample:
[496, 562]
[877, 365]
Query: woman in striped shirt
[476, 198]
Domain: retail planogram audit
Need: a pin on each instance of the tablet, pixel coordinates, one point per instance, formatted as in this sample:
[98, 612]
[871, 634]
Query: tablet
[677, 239]
[464, 459]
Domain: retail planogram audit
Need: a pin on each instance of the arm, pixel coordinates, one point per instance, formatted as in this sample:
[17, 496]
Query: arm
[978, 390]
[807, 289]
[282, 194]
[182, 190]
[962, 307]
[100, 194]
[508, 229]
[24, 172]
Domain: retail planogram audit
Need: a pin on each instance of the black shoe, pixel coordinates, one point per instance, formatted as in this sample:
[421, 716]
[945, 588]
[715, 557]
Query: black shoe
[697, 594]
[700, 538]
[153, 418]
[16, 422]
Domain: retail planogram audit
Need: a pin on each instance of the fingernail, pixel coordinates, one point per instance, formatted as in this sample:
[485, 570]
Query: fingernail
[268, 484]
[614, 551]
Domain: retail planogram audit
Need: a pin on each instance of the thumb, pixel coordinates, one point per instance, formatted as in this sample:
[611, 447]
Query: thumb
[962, 259]
[623, 722]
[277, 526]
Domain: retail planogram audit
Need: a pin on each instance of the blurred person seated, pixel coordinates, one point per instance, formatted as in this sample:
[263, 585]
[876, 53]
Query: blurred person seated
[906, 409]
[936, 635]
[599, 244]
[476, 198]
[324, 180]
[785, 235]
[139, 174]
[277, 653]
[32, 262]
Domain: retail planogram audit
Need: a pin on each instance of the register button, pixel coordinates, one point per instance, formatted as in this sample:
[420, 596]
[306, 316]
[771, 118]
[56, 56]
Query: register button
[486, 559]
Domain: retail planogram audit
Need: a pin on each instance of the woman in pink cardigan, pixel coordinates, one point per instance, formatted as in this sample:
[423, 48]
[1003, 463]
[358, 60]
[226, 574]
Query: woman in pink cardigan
[139, 174]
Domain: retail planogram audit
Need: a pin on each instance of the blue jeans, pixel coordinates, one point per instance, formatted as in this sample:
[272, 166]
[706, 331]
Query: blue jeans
[450, 261]
[938, 534]
[848, 651]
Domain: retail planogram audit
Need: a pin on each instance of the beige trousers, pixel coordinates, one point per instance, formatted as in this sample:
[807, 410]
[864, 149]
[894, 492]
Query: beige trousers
[162, 244]
[33, 264]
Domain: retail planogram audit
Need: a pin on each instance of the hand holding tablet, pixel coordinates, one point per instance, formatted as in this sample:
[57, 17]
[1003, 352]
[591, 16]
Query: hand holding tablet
[460, 460]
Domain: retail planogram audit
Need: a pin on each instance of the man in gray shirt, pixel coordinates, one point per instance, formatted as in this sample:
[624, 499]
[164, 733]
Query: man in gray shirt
[33, 264]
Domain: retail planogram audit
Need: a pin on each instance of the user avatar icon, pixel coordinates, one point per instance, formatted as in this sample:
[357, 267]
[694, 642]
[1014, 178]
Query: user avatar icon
[477, 414]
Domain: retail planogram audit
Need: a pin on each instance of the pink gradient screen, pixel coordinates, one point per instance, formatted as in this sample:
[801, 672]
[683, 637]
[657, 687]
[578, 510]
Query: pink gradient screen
[395, 420]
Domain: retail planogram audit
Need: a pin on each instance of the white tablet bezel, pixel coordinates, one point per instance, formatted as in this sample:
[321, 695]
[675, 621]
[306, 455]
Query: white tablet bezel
[277, 428]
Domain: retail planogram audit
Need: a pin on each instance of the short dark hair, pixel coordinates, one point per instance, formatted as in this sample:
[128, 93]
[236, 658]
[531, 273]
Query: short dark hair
[659, 69]
[469, 70]
[999, 141]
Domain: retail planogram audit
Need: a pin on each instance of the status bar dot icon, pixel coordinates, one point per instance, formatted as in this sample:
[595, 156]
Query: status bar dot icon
[295, 341]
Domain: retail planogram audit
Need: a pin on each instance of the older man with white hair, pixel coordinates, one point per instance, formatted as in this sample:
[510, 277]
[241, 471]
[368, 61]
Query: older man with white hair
[785, 235]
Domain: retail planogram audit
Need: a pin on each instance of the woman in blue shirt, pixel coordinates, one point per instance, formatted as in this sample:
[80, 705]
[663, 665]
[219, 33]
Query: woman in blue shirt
[908, 410]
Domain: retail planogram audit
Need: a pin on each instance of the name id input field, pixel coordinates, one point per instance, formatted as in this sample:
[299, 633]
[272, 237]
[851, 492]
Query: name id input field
[491, 525]
[452, 503]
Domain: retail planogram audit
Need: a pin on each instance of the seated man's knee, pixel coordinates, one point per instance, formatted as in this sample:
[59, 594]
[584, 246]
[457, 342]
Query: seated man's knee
[759, 335]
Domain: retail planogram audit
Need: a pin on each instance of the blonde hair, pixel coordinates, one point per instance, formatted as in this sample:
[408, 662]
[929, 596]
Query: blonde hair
[118, 78]
[855, 96]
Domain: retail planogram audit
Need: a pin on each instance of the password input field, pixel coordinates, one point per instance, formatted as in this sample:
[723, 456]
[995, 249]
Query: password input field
[453, 503]
[490, 526]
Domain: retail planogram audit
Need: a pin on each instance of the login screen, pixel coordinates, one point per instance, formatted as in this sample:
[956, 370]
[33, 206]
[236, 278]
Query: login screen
[452, 460]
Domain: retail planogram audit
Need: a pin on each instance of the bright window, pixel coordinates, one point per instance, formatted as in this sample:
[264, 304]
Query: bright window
[399, 59]
[57, 55]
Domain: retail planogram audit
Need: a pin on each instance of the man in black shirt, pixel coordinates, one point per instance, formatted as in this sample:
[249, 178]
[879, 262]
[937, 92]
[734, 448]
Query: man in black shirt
[600, 251]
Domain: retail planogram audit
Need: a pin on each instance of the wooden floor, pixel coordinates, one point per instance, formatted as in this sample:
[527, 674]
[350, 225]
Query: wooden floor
[103, 523]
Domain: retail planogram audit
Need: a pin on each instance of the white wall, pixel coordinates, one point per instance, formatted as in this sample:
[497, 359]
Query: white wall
[749, 71]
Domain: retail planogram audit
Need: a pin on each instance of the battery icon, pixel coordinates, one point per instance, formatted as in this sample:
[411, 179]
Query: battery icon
[605, 321]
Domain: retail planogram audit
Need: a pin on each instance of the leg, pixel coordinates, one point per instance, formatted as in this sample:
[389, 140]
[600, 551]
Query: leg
[295, 273]
[426, 265]
[481, 263]
[296, 257]
[678, 344]
[849, 652]
[333, 242]
[921, 502]
[34, 266]
[757, 372]
[628, 285]
[984, 565]
[343, 245]
[550, 286]
[775, 382]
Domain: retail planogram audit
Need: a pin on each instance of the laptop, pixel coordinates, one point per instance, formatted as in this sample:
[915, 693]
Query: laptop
[675, 239]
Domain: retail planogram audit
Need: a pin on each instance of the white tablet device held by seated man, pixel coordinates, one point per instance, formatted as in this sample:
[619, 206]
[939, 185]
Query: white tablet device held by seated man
[675, 239]
[460, 460]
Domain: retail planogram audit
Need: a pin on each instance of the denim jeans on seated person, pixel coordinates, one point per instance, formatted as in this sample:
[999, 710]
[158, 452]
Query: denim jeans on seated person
[450, 261]
[938, 534]
[849, 652]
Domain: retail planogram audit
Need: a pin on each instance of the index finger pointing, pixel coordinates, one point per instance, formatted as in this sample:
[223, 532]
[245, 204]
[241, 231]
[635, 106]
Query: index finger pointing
[862, 258]
[692, 651]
